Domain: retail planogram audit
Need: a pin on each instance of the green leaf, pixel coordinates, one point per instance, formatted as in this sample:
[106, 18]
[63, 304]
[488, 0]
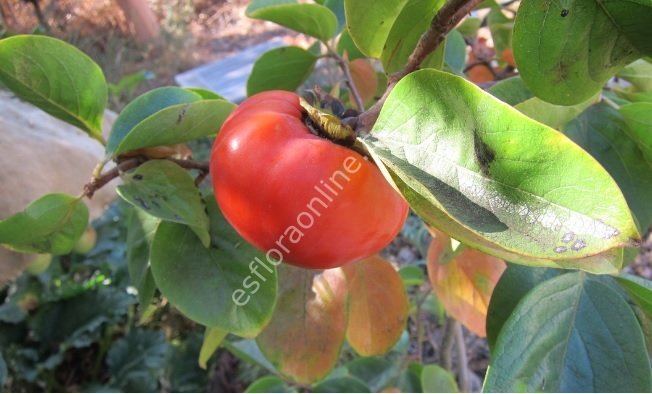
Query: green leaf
[370, 23]
[496, 180]
[410, 380]
[304, 337]
[571, 333]
[312, 19]
[230, 286]
[638, 117]
[501, 28]
[511, 90]
[213, 337]
[469, 27]
[639, 74]
[56, 77]
[639, 289]
[435, 379]
[346, 45]
[514, 92]
[167, 191]
[182, 371]
[566, 51]
[140, 234]
[337, 6]
[136, 361]
[176, 124]
[206, 94]
[145, 106]
[345, 384]
[412, 275]
[78, 321]
[602, 132]
[376, 372]
[269, 384]
[248, 351]
[455, 52]
[50, 224]
[513, 285]
[555, 116]
[413, 20]
[283, 68]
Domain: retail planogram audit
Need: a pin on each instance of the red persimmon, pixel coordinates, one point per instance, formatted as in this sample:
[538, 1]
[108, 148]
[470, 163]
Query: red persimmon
[300, 197]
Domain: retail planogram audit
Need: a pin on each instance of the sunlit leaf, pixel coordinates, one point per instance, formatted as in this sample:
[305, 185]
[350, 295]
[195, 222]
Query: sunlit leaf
[166, 191]
[370, 23]
[638, 117]
[602, 132]
[176, 124]
[145, 106]
[50, 224]
[639, 74]
[312, 19]
[497, 181]
[413, 20]
[213, 337]
[284, 68]
[56, 77]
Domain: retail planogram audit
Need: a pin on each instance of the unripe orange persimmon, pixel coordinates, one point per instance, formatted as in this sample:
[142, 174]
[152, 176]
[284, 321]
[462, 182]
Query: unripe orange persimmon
[298, 196]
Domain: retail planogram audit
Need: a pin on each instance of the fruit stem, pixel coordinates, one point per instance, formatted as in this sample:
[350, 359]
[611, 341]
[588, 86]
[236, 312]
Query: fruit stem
[329, 125]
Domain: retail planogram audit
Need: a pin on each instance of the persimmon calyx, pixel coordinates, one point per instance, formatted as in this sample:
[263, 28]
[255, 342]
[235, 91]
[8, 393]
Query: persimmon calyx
[329, 126]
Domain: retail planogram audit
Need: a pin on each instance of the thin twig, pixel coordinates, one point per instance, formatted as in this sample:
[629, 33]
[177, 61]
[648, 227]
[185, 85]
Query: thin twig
[447, 342]
[348, 79]
[98, 182]
[462, 362]
[444, 21]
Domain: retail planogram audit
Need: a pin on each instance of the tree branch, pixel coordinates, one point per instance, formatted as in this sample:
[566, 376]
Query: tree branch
[447, 342]
[462, 361]
[344, 65]
[444, 21]
[98, 182]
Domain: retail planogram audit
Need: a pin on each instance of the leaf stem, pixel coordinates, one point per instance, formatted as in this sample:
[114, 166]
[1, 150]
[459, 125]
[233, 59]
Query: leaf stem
[344, 65]
[444, 21]
[97, 182]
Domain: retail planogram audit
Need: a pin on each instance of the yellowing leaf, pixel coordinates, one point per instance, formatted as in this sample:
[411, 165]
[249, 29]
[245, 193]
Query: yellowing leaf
[378, 306]
[304, 338]
[465, 283]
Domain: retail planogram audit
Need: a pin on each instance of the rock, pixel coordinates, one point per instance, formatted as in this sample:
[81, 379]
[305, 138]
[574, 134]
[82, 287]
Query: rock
[38, 155]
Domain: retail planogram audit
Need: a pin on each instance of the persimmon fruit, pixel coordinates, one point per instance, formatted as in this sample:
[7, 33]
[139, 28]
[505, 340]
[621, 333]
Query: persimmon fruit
[295, 194]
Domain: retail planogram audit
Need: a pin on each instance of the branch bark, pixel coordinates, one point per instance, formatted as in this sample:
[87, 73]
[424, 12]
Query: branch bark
[98, 182]
[444, 21]
[462, 361]
[346, 70]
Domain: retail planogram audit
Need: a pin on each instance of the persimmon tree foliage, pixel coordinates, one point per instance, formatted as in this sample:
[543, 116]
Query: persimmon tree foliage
[531, 166]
